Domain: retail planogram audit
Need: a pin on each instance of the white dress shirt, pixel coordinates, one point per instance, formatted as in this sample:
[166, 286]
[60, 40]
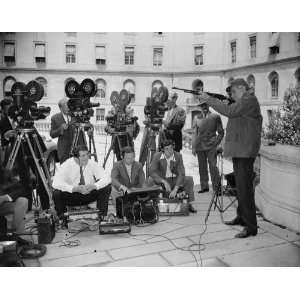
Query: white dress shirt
[168, 171]
[68, 175]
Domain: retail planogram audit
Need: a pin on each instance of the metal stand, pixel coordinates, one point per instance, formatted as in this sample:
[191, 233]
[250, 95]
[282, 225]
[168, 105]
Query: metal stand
[120, 140]
[80, 129]
[40, 163]
[217, 197]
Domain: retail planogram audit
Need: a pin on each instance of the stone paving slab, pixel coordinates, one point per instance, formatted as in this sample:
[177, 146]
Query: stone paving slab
[286, 255]
[153, 260]
[150, 248]
[218, 249]
[78, 260]
[211, 262]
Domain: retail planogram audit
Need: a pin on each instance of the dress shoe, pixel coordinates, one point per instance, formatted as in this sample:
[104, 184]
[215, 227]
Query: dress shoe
[192, 209]
[245, 233]
[235, 221]
[203, 191]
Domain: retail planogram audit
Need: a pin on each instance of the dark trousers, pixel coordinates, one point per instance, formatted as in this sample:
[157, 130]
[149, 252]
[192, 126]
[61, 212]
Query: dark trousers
[63, 199]
[209, 156]
[243, 172]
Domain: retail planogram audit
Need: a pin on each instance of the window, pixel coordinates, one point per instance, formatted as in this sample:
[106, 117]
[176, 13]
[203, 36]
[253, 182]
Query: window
[198, 55]
[100, 114]
[129, 55]
[251, 83]
[70, 54]
[157, 56]
[270, 115]
[101, 88]
[39, 53]
[43, 82]
[9, 52]
[129, 85]
[252, 41]
[100, 55]
[274, 43]
[274, 81]
[7, 84]
[233, 51]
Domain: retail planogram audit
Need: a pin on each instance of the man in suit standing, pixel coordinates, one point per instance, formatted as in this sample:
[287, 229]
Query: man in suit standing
[126, 174]
[208, 134]
[61, 129]
[174, 122]
[167, 168]
[242, 143]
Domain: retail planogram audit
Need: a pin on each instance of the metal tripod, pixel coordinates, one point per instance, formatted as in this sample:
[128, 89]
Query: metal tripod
[23, 136]
[80, 129]
[119, 140]
[217, 197]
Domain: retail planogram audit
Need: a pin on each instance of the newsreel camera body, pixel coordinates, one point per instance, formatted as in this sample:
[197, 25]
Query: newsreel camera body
[81, 110]
[121, 124]
[24, 111]
[154, 111]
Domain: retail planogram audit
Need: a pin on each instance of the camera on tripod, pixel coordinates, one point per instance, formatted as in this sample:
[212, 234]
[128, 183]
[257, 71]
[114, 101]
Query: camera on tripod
[24, 110]
[120, 119]
[156, 107]
[80, 106]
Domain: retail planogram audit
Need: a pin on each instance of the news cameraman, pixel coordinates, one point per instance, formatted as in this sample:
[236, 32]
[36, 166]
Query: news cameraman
[242, 143]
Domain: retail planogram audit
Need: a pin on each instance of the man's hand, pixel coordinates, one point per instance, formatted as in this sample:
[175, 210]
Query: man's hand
[5, 198]
[79, 189]
[167, 186]
[90, 187]
[64, 126]
[124, 189]
[173, 193]
[90, 131]
[9, 134]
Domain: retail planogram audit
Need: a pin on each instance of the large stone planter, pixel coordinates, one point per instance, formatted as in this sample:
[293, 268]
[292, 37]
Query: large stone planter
[278, 194]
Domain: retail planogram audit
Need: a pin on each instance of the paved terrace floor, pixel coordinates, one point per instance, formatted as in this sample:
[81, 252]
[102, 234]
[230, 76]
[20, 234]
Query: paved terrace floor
[156, 245]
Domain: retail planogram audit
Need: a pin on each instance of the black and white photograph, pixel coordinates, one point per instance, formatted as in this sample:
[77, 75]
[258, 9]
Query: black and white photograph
[149, 149]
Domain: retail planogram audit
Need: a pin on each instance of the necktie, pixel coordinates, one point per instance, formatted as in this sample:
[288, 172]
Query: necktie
[81, 182]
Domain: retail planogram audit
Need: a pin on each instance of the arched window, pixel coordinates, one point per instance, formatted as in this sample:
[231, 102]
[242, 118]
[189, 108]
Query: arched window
[251, 83]
[43, 82]
[297, 76]
[274, 82]
[129, 85]
[101, 88]
[197, 85]
[7, 84]
[157, 84]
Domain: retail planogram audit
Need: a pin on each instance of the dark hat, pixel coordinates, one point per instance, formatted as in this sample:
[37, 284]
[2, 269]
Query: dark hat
[5, 102]
[239, 82]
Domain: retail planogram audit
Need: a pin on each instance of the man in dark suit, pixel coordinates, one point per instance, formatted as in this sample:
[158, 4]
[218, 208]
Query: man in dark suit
[208, 134]
[242, 143]
[61, 129]
[167, 168]
[174, 122]
[126, 174]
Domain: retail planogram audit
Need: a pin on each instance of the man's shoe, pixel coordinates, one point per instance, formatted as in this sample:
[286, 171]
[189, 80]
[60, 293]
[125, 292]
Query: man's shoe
[192, 209]
[235, 221]
[245, 233]
[203, 191]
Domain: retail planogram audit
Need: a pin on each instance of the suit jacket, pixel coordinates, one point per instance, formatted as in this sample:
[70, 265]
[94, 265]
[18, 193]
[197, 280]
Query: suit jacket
[175, 123]
[65, 137]
[4, 127]
[158, 168]
[119, 175]
[205, 129]
[243, 132]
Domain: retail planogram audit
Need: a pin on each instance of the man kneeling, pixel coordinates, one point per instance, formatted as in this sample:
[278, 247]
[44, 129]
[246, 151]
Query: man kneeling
[80, 181]
[167, 168]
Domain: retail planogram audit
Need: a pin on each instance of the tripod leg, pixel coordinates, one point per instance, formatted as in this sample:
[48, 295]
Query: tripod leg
[212, 201]
[92, 141]
[75, 141]
[14, 152]
[109, 150]
[38, 167]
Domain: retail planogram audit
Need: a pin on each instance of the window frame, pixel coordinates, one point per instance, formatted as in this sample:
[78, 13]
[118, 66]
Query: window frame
[250, 46]
[100, 117]
[35, 57]
[105, 60]
[129, 46]
[3, 56]
[233, 57]
[274, 76]
[70, 44]
[162, 56]
[201, 55]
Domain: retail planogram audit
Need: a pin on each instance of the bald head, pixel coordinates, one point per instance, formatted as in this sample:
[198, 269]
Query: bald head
[63, 106]
[172, 99]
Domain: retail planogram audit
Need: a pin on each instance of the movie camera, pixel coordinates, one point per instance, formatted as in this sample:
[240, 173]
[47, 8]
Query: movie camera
[156, 107]
[24, 109]
[80, 106]
[119, 119]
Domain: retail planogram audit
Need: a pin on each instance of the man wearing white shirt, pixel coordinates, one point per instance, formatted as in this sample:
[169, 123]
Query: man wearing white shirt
[80, 181]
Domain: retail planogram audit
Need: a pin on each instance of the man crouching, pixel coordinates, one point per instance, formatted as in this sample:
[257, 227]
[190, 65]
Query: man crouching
[80, 181]
[167, 168]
